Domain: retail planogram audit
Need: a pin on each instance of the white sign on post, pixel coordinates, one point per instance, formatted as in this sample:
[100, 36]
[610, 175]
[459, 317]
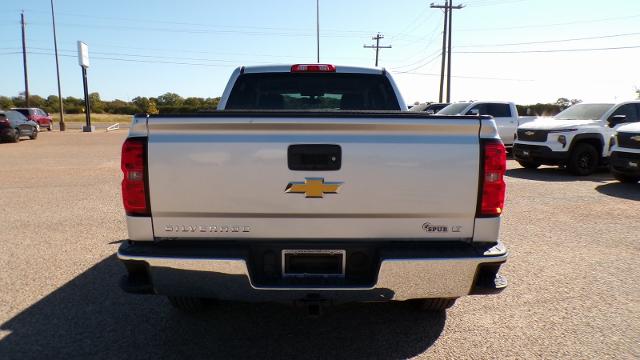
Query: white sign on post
[83, 54]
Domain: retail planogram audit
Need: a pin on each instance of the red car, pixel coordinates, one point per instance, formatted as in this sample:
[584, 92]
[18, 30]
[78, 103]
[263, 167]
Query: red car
[41, 117]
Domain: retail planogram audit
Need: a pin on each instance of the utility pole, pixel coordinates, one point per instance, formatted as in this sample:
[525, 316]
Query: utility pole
[377, 46]
[318, 29]
[444, 49]
[446, 45]
[24, 59]
[55, 45]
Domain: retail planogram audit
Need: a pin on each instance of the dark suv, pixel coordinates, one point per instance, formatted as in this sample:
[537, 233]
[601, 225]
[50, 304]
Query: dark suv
[40, 116]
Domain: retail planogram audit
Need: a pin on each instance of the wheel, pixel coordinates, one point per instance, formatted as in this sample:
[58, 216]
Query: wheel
[528, 164]
[627, 179]
[438, 304]
[188, 304]
[583, 160]
[34, 134]
[16, 136]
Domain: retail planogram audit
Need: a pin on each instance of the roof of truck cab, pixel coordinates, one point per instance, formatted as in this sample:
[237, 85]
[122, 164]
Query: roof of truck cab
[285, 68]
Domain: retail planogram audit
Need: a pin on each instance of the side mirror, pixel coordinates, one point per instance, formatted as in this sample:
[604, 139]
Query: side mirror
[475, 112]
[616, 120]
[430, 112]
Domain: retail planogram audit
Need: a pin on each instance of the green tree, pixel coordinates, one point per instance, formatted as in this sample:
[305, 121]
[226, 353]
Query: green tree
[141, 103]
[145, 105]
[73, 105]
[193, 101]
[5, 102]
[52, 104]
[170, 99]
[153, 108]
[563, 103]
[36, 101]
[96, 104]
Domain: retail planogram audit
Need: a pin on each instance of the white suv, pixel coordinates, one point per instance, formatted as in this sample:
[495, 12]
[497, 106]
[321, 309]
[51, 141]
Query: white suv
[578, 137]
[625, 154]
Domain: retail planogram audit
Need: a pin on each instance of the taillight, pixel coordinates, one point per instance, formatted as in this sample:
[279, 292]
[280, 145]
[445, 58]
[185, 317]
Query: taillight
[134, 183]
[313, 68]
[4, 121]
[492, 181]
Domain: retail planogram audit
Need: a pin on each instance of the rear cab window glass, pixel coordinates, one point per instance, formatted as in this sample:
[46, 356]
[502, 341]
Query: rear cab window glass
[24, 112]
[454, 109]
[15, 115]
[584, 112]
[630, 110]
[312, 91]
[481, 109]
[497, 110]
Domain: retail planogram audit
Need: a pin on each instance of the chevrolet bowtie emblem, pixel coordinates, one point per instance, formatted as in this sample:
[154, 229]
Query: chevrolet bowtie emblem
[313, 187]
[635, 138]
[529, 133]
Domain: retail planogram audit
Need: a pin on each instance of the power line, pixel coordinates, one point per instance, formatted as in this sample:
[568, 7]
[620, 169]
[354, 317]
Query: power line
[551, 24]
[547, 51]
[462, 76]
[283, 31]
[550, 41]
[434, 32]
[147, 50]
[413, 24]
[143, 56]
[423, 62]
[137, 60]
[493, 3]
[157, 21]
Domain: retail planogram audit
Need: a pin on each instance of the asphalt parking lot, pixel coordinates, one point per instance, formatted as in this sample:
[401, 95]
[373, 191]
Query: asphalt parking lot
[574, 273]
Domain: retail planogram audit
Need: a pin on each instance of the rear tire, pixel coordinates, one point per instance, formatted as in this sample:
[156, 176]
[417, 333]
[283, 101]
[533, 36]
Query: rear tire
[529, 164]
[188, 304]
[438, 304]
[34, 134]
[16, 136]
[583, 160]
[627, 179]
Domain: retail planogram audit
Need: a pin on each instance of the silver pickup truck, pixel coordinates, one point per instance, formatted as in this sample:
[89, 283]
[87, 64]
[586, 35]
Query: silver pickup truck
[311, 184]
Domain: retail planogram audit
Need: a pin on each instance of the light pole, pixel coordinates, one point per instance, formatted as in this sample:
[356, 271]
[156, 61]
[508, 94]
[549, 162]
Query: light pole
[55, 46]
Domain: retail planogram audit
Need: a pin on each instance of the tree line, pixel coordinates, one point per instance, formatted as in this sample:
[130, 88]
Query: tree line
[172, 103]
[167, 103]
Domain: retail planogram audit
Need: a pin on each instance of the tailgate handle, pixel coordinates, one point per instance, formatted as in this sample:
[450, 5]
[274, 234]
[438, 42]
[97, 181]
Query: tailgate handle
[314, 157]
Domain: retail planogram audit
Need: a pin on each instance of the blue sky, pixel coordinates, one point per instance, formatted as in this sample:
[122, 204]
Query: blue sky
[190, 47]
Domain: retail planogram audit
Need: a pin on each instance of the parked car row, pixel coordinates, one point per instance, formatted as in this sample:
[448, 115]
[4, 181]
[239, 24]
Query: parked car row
[583, 138]
[504, 113]
[39, 116]
[14, 126]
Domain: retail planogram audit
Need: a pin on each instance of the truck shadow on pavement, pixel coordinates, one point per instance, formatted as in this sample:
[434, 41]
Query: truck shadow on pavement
[555, 174]
[90, 317]
[620, 190]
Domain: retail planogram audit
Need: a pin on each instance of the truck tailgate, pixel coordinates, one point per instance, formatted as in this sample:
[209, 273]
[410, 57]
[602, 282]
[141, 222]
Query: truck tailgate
[226, 177]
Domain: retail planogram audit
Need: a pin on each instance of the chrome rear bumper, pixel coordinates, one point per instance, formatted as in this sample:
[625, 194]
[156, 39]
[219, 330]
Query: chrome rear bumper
[228, 277]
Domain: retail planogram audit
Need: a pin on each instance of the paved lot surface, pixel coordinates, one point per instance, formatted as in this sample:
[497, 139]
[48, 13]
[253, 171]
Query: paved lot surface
[574, 277]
